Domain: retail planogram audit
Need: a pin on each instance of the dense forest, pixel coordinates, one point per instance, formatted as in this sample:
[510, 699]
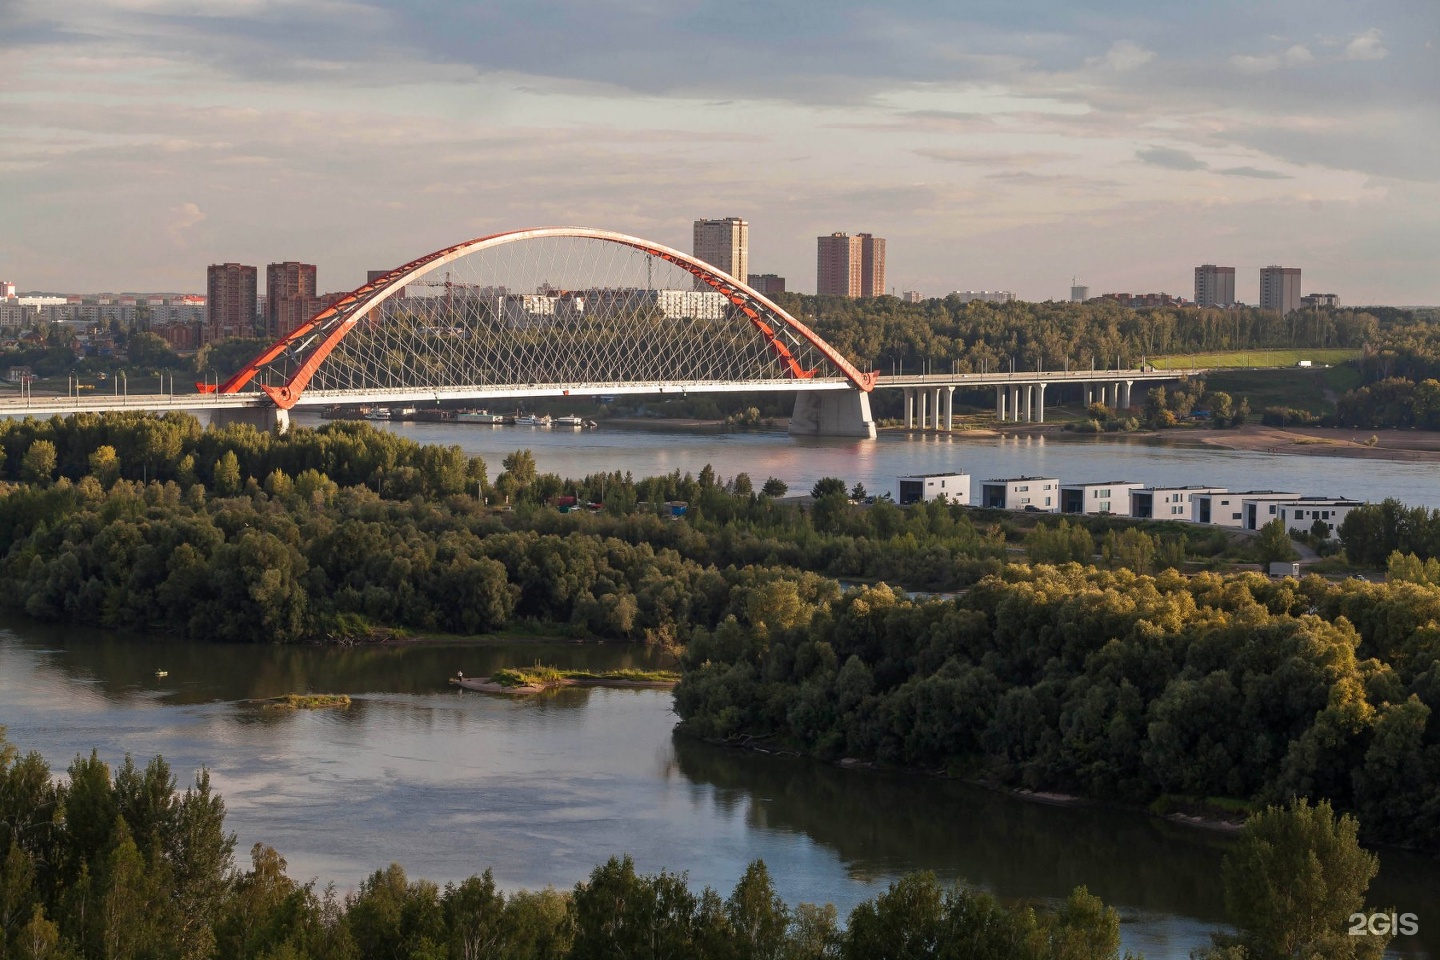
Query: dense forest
[1113, 685]
[119, 865]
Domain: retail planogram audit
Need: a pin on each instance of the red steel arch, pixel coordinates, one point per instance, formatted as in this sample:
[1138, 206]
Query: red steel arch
[325, 330]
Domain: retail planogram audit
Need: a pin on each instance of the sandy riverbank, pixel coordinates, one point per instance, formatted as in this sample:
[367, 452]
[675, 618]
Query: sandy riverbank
[486, 685]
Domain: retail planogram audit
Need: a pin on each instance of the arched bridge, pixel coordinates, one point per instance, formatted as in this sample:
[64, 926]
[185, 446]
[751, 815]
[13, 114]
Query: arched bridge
[556, 311]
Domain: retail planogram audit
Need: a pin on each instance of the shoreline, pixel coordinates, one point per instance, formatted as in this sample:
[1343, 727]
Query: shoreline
[486, 685]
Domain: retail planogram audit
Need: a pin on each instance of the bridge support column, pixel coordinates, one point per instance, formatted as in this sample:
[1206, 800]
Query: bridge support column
[909, 409]
[949, 408]
[1000, 404]
[1014, 404]
[265, 419]
[1125, 394]
[1039, 403]
[1029, 389]
[938, 392]
[920, 413]
[832, 413]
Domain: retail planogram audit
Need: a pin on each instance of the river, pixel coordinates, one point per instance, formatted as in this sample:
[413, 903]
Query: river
[541, 789]
[876, 463]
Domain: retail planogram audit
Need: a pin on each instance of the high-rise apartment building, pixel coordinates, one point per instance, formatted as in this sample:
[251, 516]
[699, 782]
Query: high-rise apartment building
[230, 301]
[1079, 293]
[724, 244]
[7, 289]
[1214, 286]
[766, 284]
[837, 265]
[289, 296]
[1280, 289]
[872, 266]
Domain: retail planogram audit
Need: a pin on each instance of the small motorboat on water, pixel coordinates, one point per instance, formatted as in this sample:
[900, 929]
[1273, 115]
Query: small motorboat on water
[531, 420]
[569, 421]
[479, 416]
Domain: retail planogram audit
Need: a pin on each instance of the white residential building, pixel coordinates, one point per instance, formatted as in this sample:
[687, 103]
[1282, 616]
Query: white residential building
[1166, 503]
[953, 487]
[1022, 493]
[1110, 496]
[1240, 511]
[1300, 515]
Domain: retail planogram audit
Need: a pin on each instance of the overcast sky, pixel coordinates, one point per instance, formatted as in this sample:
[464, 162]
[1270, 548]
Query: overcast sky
[995, 145]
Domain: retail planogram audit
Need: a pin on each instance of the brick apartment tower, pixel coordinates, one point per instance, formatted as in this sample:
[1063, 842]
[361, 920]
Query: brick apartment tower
[1214, 286]
[289, 296]
[872, 266]
[1280, 289]
[230, 301]
[837, 265]
[724, 244]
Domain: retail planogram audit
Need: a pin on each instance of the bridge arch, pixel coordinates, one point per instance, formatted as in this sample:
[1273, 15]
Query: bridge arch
[799, 356]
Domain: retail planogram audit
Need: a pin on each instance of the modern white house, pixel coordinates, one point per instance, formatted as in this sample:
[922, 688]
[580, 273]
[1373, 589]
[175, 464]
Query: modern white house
[1300, 515]
[1226, 509]
[954, 487]
[1109, 496]
[1022, 493]
[1166, 503]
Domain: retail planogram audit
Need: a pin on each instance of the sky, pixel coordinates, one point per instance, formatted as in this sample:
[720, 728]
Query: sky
[994, 145]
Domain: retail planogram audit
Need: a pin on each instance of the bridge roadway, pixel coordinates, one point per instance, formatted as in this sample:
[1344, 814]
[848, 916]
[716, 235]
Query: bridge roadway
[1019, 396]
[929, 399]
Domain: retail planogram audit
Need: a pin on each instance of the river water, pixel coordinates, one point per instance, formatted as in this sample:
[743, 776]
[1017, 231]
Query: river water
[448, 783]
[876, 463]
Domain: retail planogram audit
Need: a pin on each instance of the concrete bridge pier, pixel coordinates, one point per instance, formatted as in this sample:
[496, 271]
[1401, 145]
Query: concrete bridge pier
[1000, 404]
[1040, 402]
[265, 419]
[834, 413]
[949, 408]
[1015, 404]
[1123, 387]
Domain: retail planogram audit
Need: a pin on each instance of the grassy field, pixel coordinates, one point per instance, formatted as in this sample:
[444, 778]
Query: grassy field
[1313, 389]
[1254, 358]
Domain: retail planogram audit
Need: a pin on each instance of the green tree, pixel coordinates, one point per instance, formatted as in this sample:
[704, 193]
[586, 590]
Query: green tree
[38, 464]
[1129, 549]
[105, 464]
[774, 487]
[758, 917]
[1272, 544]
[227, 475]
[1221, 409]
[827, 485]
[1292, 881]
[741, 486]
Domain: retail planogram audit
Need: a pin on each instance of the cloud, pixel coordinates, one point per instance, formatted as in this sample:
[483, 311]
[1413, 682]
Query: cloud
[1296, 56]
[1254, 172]
[1171, 159]
[1123, 55]
[1366, 46]
[182, 218]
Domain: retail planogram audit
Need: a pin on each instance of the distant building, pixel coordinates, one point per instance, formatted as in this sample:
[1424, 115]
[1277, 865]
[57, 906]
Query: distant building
[1022, 493]
[7, 289]
[984, 296]
[1320, 300]
[1110, 496]
[953, 487]
[230, 301]
[837, 265]
[912, 296]
[1079, 293]
[725, 245]
[1214, 286]
[1141, 301]
[289, 296]
[872, 266]
[766, 284]
[1280, 289]
[1166, 503]
[847, 266]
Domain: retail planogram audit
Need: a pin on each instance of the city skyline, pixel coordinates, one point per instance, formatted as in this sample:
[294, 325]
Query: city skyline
[1125, 145]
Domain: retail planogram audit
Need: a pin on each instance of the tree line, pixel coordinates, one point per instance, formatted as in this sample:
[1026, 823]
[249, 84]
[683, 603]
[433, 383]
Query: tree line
[120, 865]
[1105, 683]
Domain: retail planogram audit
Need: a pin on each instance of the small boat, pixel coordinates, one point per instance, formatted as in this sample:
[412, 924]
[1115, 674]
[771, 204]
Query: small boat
[530, 420]
[162, 673]
[383, 413]
[569, 421]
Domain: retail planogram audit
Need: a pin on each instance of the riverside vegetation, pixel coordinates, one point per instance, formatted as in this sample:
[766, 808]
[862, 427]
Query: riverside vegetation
[122, 866]
[1125, 682]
